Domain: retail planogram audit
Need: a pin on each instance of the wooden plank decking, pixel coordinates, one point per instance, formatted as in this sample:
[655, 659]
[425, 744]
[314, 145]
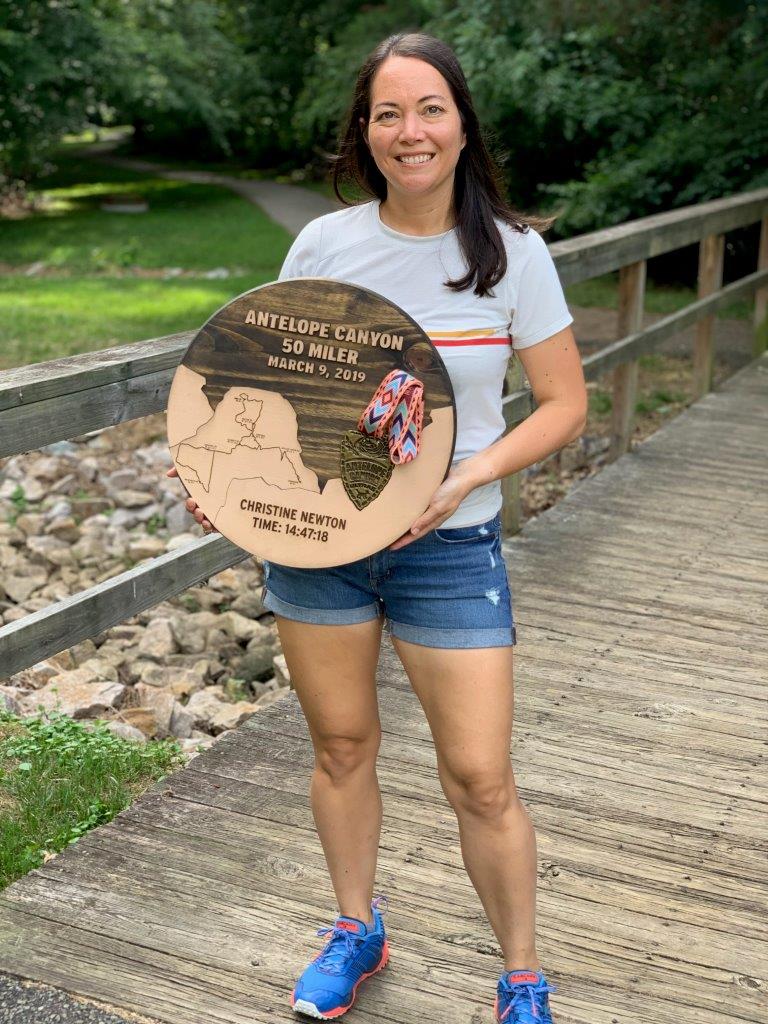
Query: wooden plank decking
[639, 749]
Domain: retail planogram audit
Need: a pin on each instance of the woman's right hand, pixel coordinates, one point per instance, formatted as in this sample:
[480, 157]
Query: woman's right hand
[194, 508]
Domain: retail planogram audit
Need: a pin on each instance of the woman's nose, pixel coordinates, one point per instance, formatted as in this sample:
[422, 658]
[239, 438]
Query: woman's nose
[411, 129]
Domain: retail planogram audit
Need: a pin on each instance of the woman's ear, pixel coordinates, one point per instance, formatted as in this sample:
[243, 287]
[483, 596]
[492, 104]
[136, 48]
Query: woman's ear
[364, 131]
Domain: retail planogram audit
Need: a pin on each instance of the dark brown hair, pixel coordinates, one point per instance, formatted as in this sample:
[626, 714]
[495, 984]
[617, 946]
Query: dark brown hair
[478, 188]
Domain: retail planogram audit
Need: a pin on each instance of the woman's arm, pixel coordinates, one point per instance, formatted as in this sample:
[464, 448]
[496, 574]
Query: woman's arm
[553, 368]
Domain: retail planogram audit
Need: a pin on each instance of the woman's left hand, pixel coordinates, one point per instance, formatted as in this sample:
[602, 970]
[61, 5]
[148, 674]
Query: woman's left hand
[444, 502]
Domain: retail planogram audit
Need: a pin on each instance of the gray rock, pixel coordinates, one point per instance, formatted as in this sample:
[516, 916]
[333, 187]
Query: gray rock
[123, 517]
[256, 664]
[60, 508]
[248, 604]
[134, 499]
[11, 699]
[177, 519]
[83, 651]
[281, 670]
[270, 697]
[64, 528]
[182, 721]
[216, 715]
[30, 523]
[239, 628]
[122, 479]
[158, 640]
[146, 547]
[20, 588]
[161, 702]
[83, 508]
[33, 489]
[181, 540]
[60, 448]
[191, 631]
[66, 485]
[50, 551]
[76, 698]
[127, 732]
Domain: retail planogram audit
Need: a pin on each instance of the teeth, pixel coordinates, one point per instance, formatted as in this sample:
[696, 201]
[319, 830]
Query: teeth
[416, 159]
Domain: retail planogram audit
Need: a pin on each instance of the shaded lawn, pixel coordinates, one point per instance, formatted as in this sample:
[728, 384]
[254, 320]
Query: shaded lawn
[195, 227]
[47, 318]
[88, 299]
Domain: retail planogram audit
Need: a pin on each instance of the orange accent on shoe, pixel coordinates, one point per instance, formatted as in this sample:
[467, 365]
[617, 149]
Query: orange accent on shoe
[348, 926]
[522, 976]
[343, 1009]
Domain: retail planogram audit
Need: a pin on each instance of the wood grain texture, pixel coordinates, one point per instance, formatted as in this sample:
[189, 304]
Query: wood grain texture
[640, 716]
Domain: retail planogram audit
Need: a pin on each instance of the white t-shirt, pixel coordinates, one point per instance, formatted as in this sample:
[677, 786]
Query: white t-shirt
[474, 335]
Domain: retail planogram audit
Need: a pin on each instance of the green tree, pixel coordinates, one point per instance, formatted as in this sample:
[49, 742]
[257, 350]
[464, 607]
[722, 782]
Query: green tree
[48, 80]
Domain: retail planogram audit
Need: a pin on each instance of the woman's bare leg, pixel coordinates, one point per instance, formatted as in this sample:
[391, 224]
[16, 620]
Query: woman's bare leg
[467, 696]
[333, 670]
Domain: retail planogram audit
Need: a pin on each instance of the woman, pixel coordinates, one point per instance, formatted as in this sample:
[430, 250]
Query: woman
[439, 241]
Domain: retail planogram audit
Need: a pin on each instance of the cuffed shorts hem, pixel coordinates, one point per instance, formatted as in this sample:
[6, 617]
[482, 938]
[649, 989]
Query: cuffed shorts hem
[320, 616]
[427, 636]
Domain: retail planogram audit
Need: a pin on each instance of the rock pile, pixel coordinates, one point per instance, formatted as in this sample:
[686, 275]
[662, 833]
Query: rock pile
[79, 512]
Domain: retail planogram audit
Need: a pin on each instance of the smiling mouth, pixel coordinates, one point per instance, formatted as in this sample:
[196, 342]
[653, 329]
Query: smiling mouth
[415, 161]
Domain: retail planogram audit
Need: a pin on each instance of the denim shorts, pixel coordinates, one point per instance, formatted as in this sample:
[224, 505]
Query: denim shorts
[449, 588]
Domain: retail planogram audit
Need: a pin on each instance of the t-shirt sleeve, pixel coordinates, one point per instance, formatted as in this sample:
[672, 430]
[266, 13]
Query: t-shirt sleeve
[304, 255]
[538, 306]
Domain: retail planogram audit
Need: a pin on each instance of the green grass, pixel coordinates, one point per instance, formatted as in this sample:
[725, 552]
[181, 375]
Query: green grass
[196, 227]
[91, 296]
[47, 318]
[59, 780]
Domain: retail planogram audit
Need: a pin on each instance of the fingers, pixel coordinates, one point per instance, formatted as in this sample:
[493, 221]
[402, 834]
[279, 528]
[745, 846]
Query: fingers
[403, 542]
[192, 507]
[200, 517]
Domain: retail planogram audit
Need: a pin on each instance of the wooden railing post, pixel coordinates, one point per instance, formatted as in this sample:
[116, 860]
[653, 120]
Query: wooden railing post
[761, 296]
[511, 511]
[710, 280]
[630, 319]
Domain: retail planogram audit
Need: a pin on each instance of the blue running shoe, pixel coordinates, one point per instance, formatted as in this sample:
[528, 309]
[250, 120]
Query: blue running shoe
[522, 998]
[328, 986]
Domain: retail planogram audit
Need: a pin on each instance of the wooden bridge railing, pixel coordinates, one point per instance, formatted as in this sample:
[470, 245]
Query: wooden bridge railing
[64, 398]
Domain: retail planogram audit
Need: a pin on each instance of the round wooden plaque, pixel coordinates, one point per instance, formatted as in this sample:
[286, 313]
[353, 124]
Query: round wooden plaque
[260, 411]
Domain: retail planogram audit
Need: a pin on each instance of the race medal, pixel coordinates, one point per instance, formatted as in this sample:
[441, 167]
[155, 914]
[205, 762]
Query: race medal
[365, 467]
[396, 410]
[312, 421]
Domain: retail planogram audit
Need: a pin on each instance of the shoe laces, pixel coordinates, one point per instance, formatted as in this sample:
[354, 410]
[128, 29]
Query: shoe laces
[342, 944]
[522, 1008]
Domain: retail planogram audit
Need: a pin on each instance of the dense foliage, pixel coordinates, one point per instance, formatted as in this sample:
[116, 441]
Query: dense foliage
[603, 110]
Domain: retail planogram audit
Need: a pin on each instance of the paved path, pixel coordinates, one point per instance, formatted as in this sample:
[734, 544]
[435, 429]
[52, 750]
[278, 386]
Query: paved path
[639, 739]
[289, 205]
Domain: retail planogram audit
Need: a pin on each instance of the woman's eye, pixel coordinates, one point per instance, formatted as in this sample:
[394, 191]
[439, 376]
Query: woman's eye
[434, 106]
[382, 117]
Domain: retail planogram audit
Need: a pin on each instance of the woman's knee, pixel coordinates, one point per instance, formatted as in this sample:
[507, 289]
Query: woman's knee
[340, 756]
[483, 792]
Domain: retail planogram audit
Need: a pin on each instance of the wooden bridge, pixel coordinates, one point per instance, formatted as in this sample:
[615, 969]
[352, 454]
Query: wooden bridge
[638, 747]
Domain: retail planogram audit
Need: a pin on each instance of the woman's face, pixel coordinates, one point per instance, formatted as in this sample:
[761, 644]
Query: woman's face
[414, 132]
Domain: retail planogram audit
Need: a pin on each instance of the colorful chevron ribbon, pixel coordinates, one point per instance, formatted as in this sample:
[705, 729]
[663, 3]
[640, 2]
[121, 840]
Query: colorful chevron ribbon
[397, 408]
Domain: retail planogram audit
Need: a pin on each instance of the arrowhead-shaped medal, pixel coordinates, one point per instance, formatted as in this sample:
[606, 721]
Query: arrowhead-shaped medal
[365, 467]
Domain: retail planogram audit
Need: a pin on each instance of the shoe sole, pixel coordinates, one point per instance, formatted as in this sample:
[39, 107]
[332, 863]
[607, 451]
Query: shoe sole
[310, 1010]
